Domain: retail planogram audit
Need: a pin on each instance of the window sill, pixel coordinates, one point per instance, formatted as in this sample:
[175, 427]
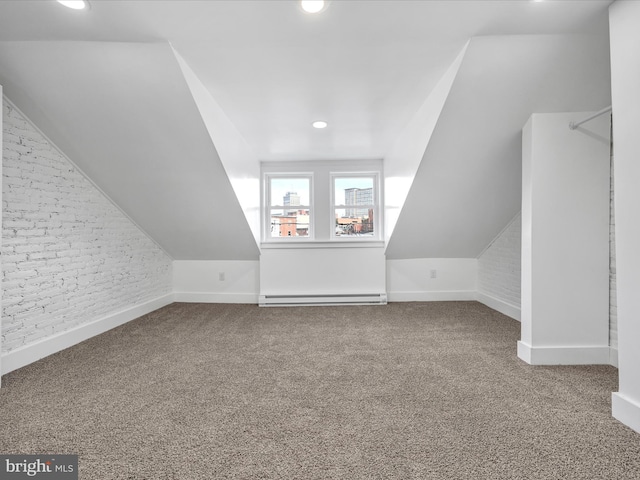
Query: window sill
[322, 244]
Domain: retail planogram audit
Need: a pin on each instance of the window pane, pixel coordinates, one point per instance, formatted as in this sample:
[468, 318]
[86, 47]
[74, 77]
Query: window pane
[353, 191]
[289, 224]
[290, 197]
[289, 191]
[354, 225]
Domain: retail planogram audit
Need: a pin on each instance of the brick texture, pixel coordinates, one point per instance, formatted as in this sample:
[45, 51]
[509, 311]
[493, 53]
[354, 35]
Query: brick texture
[69, 256]
[613, 299]
[499, 266]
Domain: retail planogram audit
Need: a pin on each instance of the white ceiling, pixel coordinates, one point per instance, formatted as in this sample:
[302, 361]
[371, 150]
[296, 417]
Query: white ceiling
[363, 66]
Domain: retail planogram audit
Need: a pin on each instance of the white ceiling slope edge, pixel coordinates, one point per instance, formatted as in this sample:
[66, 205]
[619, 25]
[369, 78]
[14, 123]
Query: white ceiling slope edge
[402, 162]
[237, 157]
[468, 185]
[124, 114]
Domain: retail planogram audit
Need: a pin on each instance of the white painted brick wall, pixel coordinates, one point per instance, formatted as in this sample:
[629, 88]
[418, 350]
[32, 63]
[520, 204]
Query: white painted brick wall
[613, 299]
[499, 266]
[69, 256]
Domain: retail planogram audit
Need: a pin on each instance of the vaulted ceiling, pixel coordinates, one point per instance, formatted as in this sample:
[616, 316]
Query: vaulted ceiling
[168, 106]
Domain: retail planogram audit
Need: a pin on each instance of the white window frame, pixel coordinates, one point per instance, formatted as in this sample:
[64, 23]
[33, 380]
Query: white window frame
[321, 175]
[377, 209]
[267, 208]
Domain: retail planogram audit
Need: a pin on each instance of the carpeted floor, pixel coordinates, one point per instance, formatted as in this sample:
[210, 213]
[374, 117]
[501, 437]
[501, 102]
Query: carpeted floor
[407, 390]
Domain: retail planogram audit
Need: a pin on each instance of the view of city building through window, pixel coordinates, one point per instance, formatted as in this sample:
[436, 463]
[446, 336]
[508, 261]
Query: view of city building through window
[289, 206]
[352, 201]
[354, 206]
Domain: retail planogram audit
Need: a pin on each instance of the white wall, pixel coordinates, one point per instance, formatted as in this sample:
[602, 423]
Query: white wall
[73, 264]
[432, 279]
[499, 270]
[565, 240]
[406, 280]
[322, 271]
[625, 75]
[220, 281]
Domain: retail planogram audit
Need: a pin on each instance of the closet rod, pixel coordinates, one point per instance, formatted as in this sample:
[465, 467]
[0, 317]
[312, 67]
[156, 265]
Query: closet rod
[574, 125]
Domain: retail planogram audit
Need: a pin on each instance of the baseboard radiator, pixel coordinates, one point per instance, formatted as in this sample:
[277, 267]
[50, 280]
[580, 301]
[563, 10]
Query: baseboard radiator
[317, 300]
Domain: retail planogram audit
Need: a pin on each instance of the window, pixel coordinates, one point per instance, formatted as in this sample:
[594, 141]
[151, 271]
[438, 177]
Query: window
[289, 210]
[354, 205]
[315, 202]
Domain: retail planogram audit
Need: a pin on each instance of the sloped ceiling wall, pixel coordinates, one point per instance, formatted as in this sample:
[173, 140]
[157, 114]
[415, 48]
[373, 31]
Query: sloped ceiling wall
[468, 185]
[123, 112]
[403, 160]
[146, 146]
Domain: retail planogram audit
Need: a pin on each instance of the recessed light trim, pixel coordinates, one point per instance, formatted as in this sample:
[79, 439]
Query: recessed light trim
[312, 6]
[74, 4]
[319, 124]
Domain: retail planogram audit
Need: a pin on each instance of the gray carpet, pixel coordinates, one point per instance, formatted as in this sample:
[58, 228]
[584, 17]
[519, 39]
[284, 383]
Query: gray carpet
[407, 390]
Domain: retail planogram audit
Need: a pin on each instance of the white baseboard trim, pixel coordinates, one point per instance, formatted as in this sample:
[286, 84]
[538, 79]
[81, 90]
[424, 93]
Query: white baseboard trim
[215, 297]
[613, 357]
[626, 410]
[569, 355]
[437, 296]
[499, 305]
[33, 352]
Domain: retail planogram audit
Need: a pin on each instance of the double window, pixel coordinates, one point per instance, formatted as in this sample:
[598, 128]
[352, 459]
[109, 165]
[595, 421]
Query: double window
[324, 201]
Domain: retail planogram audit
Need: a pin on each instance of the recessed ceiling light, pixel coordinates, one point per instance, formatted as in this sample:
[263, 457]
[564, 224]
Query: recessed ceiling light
[319, 124]
[312, 6]
[75, 4]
